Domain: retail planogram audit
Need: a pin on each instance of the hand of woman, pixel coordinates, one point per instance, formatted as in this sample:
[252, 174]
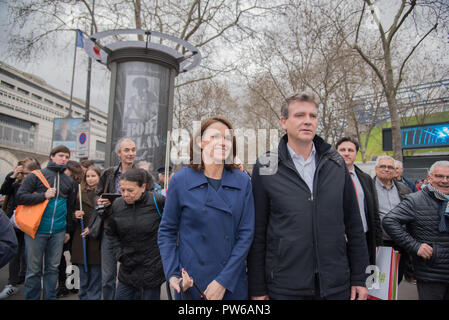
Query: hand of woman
[187, 282]
[214, 291]
[85, 232]
[79, 214]
[17, 170]
[103, 201]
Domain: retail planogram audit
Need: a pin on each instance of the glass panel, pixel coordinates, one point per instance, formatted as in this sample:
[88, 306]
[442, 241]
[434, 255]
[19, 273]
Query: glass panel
[141, 109]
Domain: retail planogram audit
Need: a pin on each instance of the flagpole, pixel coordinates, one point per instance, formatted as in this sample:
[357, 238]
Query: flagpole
[167, 161]
[89, 70]
[73, 76]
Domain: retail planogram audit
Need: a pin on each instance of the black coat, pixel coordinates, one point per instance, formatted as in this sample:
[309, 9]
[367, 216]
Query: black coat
[374, 235]
[134, 230]
[299, 234]
[419, 211]
[9, 189]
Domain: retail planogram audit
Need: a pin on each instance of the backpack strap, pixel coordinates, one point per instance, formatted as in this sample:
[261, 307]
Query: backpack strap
[41, 177]
[157, 208]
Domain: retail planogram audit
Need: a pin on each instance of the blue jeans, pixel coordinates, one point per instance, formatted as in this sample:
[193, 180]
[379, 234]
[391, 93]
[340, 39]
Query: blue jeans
[125, 292]
[44, 250]
[108, 267]
[90, 282]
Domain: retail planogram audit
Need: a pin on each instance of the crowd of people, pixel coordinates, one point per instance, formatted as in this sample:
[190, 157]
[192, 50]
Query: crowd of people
[305, 225]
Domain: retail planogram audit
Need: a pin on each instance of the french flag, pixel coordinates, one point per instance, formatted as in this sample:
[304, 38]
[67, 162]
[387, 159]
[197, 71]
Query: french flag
[90, 47]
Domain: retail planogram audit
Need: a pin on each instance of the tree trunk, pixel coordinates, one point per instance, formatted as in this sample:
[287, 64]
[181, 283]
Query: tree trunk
[390, 95]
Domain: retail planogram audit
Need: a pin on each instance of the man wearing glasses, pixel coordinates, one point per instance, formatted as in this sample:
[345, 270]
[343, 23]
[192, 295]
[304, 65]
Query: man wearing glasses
[426, 238]
[390, 193]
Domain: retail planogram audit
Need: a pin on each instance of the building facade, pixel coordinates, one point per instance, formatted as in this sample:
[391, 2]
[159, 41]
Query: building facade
[28, 107]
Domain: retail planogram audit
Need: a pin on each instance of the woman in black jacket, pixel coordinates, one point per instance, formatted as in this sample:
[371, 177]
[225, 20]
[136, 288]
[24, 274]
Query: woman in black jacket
[133, 226]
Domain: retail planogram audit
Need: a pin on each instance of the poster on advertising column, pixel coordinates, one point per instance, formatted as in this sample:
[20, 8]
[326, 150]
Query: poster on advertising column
[140, 116]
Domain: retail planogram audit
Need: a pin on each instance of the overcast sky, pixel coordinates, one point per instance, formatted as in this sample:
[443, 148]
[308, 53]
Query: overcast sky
[55, 68]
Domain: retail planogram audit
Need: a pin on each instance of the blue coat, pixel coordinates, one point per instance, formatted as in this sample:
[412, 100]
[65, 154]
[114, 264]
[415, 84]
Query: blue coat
[216, 229]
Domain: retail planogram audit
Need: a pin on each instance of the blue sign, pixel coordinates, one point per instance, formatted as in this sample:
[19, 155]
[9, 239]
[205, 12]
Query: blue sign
[435, 135]
[83, 138]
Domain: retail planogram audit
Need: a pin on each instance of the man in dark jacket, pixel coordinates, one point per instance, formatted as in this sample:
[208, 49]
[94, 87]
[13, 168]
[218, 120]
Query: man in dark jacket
[55, 225]
[309, 241]
[110, 183]
[426, 238]
[366, 195]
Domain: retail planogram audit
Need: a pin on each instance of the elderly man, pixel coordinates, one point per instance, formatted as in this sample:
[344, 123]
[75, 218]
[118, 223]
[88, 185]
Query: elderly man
[426, 238]
[399, 170]
[390, 193]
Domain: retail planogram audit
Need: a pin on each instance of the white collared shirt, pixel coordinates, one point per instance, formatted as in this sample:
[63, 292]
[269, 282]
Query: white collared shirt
[360, 197]
[305, 168]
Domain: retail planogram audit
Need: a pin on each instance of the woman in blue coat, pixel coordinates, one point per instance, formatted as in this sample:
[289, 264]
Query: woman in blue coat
[210, 205]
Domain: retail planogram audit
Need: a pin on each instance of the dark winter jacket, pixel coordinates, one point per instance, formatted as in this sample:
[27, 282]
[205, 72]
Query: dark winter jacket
[32, 191]
[134, 230]
[419, 211]
[299, 234]
[9, 188]
[374, 234]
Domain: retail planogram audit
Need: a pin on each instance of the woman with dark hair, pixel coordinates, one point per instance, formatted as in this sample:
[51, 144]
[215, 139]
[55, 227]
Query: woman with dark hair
[90, 281]
[17, 265]
[208, 223]
[133, 227]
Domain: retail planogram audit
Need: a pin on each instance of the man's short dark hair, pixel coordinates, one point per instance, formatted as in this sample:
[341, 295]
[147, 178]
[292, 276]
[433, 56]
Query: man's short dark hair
[58, 149]
[348, 139]
[304, 96]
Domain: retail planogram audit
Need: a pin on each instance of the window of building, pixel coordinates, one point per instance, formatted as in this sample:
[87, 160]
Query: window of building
[36, 96]
[100, 146]
[23, 91]
[8, 85]
[16, 122]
